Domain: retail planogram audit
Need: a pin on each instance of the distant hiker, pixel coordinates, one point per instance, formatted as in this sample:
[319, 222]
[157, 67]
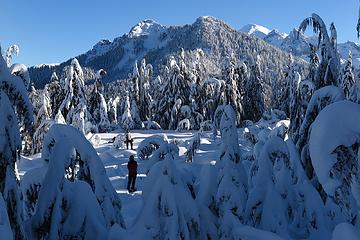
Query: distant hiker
[132, 167]
[128, 140]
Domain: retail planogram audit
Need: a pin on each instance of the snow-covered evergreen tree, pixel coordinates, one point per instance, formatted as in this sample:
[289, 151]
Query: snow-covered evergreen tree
[176, 86]
[126, 119]
[233, 96]
[271, 196]
[13, 95]
[254, 100]
[97, 104]
[141, 80]
[35, 99]
[135, 115]
[329, 66]
[319, 100]
[347, 77]
[42, 123]
[314, 63]
[75, 99]
[232, 185]
[10, 51]
[333, 146]
[294, 106]
[55, 93]
[112, 110]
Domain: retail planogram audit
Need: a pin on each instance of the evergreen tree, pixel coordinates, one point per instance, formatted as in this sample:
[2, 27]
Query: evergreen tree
[347, 77]
[314, 63]
[42, 123]
[233, 96]
[254, 99]
[295, 107]
[75, 99]
[232, 180]
[329, 66]
[12, 95]
[97, 104]
[55, 93]
[141, 81]
[127, 122]
[176, 85]
[112, 110]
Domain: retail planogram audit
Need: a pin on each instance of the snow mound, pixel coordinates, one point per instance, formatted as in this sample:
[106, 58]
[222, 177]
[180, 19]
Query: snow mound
[345, 231]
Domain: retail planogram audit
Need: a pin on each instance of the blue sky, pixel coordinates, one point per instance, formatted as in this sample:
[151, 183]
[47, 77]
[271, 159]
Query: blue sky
[50, 31]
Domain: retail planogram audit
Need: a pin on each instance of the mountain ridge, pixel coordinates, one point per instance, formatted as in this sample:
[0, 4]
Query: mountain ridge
[155, 42]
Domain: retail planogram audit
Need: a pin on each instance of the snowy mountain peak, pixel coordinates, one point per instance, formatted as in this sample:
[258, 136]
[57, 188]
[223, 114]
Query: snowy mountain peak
[207, 19]
[145, 27]
[256, 30]
[275, 32]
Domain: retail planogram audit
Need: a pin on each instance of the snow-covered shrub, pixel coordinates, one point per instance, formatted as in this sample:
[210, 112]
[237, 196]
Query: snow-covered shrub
[30, 186]
[333, 145]
[206, 126]
[95, 139]
[146, 148]
[89, 193]
[119, 141]
[159, 154]
[183, 125]
[90, 128]
[319, 100]
[280, 129]
[151, 125]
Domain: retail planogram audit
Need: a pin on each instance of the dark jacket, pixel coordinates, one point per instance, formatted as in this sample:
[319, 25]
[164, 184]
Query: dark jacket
[132, 167]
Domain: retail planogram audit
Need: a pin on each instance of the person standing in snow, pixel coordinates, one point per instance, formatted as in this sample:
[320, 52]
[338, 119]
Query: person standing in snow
[132, 167]
[128, 140]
